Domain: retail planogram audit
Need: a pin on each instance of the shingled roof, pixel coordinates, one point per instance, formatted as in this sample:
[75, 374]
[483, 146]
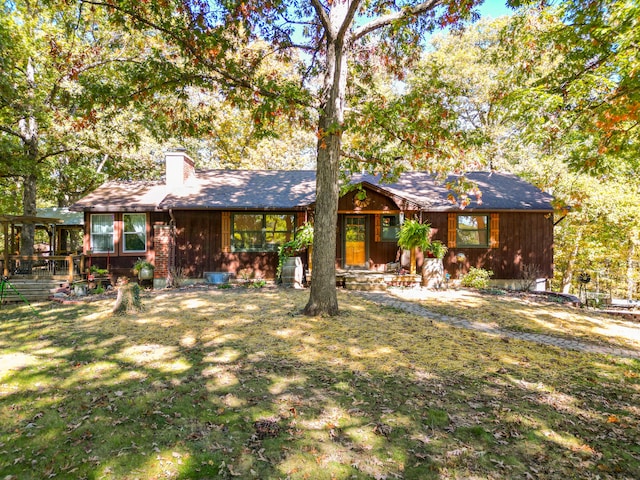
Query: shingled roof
[295, 189]
[500, 191]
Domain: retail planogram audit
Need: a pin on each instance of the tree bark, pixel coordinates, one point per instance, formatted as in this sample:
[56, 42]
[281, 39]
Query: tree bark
[323, 298]
[128, 299]
[29, 131]
[27, 235]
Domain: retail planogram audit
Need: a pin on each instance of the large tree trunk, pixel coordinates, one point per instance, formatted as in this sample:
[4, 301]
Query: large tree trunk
[323, 297]
[29, 131]
[27, 235]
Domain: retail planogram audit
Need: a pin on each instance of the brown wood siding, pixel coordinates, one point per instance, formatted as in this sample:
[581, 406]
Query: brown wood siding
[524, 238]
[201, 248]
[375, 203]
[198, 241]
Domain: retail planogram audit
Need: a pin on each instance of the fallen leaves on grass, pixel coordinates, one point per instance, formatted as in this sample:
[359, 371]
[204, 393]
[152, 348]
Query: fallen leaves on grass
[214, 383]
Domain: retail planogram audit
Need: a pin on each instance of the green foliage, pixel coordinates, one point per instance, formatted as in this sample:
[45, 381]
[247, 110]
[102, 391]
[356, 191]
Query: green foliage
[476, 278]
[97, 270]
[303, 239]
[256, 284]
[437, 249]
[414, 234]
[140, 264]
[513, 113]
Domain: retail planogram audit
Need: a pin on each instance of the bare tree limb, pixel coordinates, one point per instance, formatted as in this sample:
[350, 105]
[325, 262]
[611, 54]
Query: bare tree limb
[406, 12]
[322, 15]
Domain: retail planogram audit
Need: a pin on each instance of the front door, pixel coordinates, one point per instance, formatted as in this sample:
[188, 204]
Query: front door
[355, 244]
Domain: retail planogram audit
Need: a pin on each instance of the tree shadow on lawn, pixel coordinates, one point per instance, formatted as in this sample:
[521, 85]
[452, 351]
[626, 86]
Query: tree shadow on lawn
[531, 313]
[230, 384]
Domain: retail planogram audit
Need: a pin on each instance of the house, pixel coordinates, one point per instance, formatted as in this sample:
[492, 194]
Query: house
[233, 220]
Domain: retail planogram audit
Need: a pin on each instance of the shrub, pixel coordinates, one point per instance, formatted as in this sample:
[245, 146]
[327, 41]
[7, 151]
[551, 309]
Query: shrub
[476, 278]
[529, 274]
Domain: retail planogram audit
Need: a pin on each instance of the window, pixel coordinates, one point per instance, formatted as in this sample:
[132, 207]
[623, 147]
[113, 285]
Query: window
[390, 225]
[134, 232]
[472, 231]
[102, 232]
[261, 232]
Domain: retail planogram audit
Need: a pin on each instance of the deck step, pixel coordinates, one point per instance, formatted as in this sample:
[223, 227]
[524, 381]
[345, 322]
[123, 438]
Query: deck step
[29, 289]
[375, 280]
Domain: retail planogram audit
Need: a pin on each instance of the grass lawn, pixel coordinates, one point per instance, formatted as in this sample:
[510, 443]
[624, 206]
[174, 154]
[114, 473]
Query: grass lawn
[209, 383]
[531, 314]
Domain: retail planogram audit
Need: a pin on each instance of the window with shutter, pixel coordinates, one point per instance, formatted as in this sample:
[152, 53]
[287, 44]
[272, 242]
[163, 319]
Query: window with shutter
[472, 231]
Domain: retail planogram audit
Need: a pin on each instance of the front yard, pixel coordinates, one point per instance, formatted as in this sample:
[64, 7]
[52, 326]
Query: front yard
[236, 383]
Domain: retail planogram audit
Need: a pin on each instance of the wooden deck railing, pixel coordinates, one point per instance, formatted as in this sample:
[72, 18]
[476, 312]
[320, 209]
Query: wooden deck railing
[70, 266]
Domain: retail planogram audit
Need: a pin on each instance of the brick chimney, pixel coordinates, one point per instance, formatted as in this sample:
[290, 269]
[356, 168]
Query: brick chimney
[180, 167]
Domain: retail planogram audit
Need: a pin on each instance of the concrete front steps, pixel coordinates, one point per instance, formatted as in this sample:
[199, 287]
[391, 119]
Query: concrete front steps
[31, 289]
[372, 281]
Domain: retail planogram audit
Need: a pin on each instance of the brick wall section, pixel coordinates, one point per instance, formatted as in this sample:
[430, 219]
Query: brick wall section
[161, 235]
[189, 169]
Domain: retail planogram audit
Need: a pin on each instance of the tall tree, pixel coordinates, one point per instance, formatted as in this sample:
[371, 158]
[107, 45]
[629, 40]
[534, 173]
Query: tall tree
[219, 40]
[52, 139]
[498, 81]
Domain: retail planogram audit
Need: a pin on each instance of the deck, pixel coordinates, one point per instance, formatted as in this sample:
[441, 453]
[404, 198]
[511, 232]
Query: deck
[34, 277]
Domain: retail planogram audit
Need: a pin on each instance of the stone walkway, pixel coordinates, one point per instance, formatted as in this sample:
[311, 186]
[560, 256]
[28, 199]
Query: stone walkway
[387, 299]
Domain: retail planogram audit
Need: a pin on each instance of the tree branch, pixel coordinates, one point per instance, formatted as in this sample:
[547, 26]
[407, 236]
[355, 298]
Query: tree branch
[12, 132]
[191, 49]
[406, 12]
[322, 15]
[348, 21]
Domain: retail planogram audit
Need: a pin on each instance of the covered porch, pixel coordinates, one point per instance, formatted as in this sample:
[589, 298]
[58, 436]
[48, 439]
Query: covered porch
[52, 263]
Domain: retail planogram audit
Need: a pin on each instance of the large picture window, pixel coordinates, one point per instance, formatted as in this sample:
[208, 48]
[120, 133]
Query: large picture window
[472, 231]
[261, 232]
[102, 233]
[134, 232]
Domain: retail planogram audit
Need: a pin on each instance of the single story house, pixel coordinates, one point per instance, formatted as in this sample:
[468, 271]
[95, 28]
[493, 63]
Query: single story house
[234, 220]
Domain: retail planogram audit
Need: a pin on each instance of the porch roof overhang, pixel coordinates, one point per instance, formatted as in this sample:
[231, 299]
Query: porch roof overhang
[29, 219]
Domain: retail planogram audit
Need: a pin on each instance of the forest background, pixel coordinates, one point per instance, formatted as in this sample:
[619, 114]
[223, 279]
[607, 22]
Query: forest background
[92, 91]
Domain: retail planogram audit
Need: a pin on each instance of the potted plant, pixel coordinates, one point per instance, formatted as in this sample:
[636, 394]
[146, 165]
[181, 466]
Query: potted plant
[143, 269]
[432, 266]
[290, 250]
[413, 235]
[97, 271]
[436, 249]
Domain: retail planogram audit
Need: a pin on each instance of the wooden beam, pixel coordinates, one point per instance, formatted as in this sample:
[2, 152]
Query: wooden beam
[5, 228]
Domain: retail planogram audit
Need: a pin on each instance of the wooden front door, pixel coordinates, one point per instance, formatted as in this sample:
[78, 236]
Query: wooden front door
[355, 241]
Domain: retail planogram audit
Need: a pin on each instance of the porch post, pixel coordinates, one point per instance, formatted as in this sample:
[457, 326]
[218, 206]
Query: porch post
[70, 272]
[5, 228]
